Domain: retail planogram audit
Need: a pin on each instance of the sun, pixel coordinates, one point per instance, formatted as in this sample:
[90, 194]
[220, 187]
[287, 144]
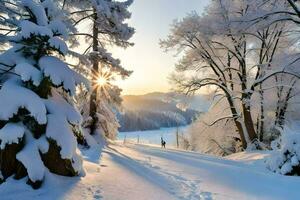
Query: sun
[103, 78]
[101, 81]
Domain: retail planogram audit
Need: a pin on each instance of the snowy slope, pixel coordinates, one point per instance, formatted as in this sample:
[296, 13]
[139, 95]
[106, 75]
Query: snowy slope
[139, 172]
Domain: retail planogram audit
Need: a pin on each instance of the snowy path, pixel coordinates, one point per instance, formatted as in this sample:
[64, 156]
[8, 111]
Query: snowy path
[138, 172]
[191, 176]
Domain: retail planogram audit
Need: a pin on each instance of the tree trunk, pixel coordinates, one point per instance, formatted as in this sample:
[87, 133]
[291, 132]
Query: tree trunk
[234, 112]
[246, 99]
[282, 106]
[249, 122]
[240, 130]
[262, 115]
[238, 124]
[93, 99]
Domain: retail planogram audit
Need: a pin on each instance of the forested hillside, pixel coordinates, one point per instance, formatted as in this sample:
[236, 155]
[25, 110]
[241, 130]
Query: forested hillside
[156, 110]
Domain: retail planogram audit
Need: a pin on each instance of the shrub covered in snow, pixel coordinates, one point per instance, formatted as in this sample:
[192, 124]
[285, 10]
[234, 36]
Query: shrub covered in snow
[36, 120]
[285, 158]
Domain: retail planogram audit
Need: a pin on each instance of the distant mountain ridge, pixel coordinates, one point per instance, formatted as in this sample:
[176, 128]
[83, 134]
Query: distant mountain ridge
[155, 110]
[197, 102]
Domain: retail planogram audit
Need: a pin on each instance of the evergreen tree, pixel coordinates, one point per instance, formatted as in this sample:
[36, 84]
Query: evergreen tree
[108, 105]
[109, 28]
[36, 117]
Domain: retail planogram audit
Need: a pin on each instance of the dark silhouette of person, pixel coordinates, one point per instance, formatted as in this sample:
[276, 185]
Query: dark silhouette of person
[163, 143]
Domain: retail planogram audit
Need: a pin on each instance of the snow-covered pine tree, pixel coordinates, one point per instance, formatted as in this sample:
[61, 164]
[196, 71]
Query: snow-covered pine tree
[109, 29]
[108, 104]
[35, 117]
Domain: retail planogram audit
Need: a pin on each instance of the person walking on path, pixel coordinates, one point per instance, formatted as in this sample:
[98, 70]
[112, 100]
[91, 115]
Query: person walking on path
[163, 143]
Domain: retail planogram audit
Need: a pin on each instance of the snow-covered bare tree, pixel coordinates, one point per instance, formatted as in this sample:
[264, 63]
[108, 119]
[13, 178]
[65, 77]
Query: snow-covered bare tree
[221, 51]
[36, 116]
[282, 10]
[285, 158]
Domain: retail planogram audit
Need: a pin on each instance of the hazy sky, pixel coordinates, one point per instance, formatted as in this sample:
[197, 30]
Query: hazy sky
[151, 65]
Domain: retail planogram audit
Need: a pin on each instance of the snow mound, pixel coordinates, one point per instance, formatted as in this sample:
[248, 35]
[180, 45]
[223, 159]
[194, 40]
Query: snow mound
[37, 10]
[13, 96]
[59, 106]
[286, 159]
[30, 157]
[11, 133]
[58, 28]
[29, 72]
[60, 73]
[77, 162]
[59, 130]
[28, 28]
[59, 44]
[43, 144]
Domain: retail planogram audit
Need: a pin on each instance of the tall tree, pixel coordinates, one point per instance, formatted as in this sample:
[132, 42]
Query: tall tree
[109, 28]
[36, 118]
[218, 52]
[108, 104]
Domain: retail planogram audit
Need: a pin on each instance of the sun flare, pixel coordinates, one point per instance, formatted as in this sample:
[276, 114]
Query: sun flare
[101, 81]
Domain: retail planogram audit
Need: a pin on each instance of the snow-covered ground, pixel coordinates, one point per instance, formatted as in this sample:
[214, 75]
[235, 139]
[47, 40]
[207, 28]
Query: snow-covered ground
[153, 136]
[140, 172]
